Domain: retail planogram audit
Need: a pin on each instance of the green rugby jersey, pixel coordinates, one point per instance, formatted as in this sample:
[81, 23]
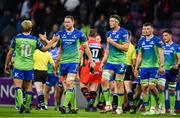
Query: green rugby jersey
[24, 47]
[117, 56]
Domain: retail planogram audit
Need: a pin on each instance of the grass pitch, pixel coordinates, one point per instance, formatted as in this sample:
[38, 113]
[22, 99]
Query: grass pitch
[12, 112]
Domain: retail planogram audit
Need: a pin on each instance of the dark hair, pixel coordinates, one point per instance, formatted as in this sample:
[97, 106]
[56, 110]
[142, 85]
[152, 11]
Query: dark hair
[116, 17]
[167, 31]
[70, 17]
[148, 24]
[93, 33]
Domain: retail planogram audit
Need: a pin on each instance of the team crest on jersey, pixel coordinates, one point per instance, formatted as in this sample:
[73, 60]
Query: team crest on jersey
[172, 48]
[74, 36]
[143, 43]
[152, 42]
[117, 36]
[63, 36]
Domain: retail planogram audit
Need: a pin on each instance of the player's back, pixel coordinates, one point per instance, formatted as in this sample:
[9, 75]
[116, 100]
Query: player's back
[96, 49]
[24, 46]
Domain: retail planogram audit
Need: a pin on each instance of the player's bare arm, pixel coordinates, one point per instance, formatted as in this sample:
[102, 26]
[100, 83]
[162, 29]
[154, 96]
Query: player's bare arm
[138, 62]
[105, 57]
[88, 53]
[58, 59]
[50, 44]
[161, 60]
[8, 60]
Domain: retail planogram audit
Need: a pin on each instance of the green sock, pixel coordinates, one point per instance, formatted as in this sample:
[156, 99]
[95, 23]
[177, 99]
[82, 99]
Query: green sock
[73, 100]
[111, 98]
[46, 102]
[67, 98]
[106, 96]
[101, 98]
[153, 101]
[146, 103]
[172, 101]
[162, 98]
[96, 101]
[120, 100]
[28, 99]
[16, 101]
[19, 96]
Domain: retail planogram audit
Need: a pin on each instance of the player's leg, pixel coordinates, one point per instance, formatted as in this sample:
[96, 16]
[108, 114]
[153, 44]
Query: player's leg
[106, 75]
[58, 92]
[47, 89]
[161, 89]
[119, 92]
[85, 91]
[84, 81]
[128, 87]
[93, 93]
[40, 78]
[172, 91]
[28, 89]
[144, 87]
[154, 91]
[120, 70]
[69, 92]
[18, 83]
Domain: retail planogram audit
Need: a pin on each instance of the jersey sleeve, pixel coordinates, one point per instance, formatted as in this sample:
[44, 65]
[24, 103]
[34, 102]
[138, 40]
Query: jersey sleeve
[39, 45]
[125, 37]
[160, 43]
[178, 50]
[82, 38]
[59, 36]
[139, 48]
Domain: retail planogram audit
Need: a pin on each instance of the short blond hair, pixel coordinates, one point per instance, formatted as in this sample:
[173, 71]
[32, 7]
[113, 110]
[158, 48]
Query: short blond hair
[26, 26]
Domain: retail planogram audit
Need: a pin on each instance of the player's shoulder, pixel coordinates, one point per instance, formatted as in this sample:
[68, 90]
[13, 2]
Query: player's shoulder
[20, 35]
[142, 39]
[77, 31]
[177, 46]
[61, 32]
[123, 30]
[156, 38]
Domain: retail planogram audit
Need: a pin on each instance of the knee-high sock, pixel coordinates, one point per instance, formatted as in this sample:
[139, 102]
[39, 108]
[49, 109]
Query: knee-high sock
[106, 96]
[19, 96]
[68, 96]
[162, 98]
[172, 99]
[73, 100]
[28, 99]
[120, 100]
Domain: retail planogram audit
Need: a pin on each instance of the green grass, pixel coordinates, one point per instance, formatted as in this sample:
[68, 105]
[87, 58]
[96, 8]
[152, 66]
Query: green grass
[11, 112]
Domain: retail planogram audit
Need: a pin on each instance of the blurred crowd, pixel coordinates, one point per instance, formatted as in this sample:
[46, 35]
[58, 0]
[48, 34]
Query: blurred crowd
[48, 15]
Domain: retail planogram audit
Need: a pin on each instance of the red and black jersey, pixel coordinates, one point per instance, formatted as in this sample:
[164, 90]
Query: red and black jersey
[96, 49]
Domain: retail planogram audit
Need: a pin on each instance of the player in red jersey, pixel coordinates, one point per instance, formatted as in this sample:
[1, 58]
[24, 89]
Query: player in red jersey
[91, 78]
